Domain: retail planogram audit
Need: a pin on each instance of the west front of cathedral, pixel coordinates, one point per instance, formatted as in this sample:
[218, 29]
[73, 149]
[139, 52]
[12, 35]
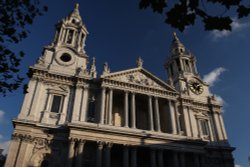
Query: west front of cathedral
[130, 118]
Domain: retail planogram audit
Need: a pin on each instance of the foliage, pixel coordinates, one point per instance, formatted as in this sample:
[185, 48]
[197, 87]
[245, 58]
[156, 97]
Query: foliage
[185, 12]
[15, 15]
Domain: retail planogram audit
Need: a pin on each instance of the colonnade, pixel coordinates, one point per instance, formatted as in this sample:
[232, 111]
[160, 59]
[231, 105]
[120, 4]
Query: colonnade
[129, 110]
[130, 156]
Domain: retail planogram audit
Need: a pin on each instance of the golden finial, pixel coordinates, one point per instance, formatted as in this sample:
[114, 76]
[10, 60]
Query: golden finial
[77, 6]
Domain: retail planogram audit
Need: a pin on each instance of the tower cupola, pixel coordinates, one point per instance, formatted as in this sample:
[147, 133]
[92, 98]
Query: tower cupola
[71, 31]
[180, 62]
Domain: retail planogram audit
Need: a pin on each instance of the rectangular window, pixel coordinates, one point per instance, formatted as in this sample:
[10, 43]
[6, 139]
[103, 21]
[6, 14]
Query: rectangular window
[178, 64]
[56, 104]
[171, 70]
[204, 127]
[70, 37]
[187, 66]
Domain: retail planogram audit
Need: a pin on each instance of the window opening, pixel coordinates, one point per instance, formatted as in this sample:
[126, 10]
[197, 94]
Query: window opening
[56, 104]
[70, 37]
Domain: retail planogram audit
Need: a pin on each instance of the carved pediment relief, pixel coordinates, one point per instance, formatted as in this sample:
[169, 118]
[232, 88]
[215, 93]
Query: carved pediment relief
[139, 77]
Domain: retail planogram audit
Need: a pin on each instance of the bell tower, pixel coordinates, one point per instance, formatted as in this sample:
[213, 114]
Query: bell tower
[71, 32]
[66, 54]
[182, 71]
[60, 78]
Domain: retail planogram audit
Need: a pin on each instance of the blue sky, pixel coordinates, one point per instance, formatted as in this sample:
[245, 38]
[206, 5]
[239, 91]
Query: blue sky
[120, 32]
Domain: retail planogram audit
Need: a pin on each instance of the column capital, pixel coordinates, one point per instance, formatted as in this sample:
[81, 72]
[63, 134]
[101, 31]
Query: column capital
[109, 144]
[72, 140]
[82, 141]
[126, 91]
[100, 144]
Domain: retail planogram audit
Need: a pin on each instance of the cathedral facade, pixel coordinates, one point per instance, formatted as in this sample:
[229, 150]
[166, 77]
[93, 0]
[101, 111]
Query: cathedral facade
[72, 118]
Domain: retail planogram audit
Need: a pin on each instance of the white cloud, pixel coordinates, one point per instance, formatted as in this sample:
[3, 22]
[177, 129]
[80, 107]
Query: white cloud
[1, 137]
[236, 165]
[213, 76]
[236, 27]
[220, 100]
[1, 116]
[5, 146]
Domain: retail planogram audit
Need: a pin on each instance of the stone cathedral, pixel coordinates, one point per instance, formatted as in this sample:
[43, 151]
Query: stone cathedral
[131, 118]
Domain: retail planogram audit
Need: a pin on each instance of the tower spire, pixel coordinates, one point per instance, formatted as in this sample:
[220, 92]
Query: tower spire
[75, 13]
[177, 46]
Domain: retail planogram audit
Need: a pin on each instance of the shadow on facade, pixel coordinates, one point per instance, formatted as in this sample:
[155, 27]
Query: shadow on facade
[106, 153]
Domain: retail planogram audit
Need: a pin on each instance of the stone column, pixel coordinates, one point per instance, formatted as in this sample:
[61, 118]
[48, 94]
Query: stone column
[133, 157]
[126, 109]
[177, 117]
[80, 153]
[222, 126]
[28, 99]
[110, 106]
[152, 158]
[175, 159]
[84, 104]
[125, 156]
[218, 127]
[157, 115]
[107, 154]
[133, 108]
[186, 121]
[103, 105]
[172, 116]
[77, 104]
[182, 159]
[33, 112]
[196, 160]
[160, 158]
[211, 135]
[13, 152]
[23, 150]
[150, 110]
[99, 154]
[71, 153]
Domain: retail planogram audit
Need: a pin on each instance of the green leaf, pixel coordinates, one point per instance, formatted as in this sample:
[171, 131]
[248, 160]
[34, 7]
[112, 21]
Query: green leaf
[218, 23]
[243, 11]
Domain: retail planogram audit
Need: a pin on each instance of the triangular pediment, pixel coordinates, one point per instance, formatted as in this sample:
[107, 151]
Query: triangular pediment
[141, 77]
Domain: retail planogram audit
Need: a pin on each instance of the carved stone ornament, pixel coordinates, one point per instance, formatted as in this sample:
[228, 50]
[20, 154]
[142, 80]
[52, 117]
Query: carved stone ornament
[139, 62]
[40, 143]
[138, 78]
[41, 60]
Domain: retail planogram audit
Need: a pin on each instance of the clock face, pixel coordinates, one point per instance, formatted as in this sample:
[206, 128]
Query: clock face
[195, 86]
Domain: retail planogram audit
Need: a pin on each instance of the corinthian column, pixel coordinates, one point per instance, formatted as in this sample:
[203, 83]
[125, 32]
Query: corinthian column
[125, 156]
[110, 106]
[152, 158]
[80, 153]
[71, 152]
[172, 116]
[157, 115]
[103, 106]
[99, 154]
[126, 109]
[133, 114]
[150, 110]
[134, 157]
[160, 158]
[107, 154]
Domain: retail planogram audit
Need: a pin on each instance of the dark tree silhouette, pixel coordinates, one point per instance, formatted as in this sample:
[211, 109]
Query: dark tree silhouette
[14, 16]
[215, 14]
